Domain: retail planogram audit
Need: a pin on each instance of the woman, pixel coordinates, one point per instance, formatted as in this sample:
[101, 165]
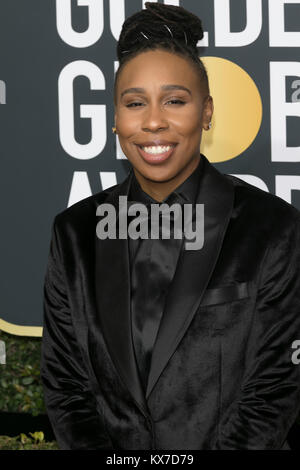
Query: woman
[149, 344]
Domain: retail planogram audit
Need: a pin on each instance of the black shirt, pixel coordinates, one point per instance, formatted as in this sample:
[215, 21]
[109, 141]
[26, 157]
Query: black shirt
[153, 264]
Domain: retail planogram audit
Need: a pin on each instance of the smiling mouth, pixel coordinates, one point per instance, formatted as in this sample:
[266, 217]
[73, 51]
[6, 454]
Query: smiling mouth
[156, 153]
[157, 149]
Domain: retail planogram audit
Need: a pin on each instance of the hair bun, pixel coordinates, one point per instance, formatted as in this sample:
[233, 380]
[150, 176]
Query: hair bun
[179, 17]
[161, 22]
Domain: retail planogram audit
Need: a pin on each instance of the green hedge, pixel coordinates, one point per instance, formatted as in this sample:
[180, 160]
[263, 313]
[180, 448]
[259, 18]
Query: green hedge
[35, 441]
[20, 382]
[21, 389]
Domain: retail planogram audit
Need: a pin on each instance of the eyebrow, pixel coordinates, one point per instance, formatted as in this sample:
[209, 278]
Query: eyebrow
[163, 87]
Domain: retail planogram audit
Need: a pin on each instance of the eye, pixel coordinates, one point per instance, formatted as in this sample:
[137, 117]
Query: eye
[176, 101]
[132, 105]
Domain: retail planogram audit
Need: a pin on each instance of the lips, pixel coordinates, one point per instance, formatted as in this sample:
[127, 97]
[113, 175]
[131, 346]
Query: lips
[157, 151]
[151, 143]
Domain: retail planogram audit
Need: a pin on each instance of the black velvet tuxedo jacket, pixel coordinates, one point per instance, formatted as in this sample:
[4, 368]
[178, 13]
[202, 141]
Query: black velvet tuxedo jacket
[222, 375]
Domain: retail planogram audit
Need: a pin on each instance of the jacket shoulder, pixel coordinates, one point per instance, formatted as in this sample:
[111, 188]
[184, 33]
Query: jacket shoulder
[261, 205]
[80, 213]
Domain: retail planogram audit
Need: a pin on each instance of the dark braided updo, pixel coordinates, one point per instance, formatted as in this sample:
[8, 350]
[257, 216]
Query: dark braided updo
[160, 26]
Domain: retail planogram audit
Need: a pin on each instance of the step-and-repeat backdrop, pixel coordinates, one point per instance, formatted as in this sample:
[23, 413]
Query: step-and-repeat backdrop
[57, 66]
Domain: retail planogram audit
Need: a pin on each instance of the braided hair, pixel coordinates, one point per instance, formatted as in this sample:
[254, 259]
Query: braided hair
[160, 26]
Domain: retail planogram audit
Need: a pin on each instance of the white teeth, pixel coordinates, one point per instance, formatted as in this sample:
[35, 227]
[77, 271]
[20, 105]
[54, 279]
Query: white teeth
[157, 149]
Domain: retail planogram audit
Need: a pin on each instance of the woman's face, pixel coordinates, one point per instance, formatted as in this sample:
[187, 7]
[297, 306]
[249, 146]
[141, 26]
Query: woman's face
[160, 113]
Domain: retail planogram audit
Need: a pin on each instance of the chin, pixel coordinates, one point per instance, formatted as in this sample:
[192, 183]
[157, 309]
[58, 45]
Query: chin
[158, 174]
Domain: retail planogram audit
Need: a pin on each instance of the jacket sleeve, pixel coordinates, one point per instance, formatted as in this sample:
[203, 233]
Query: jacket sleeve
[269, 399]
[71, 407]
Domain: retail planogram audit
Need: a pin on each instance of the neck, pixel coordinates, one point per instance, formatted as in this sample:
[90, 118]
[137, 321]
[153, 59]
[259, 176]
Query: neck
[161, 190]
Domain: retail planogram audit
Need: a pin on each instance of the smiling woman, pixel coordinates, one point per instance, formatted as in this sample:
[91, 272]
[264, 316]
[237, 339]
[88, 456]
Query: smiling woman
[161, 97]
[148, 344]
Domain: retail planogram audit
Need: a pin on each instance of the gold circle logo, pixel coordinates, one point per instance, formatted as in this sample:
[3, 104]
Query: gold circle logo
[237, 110]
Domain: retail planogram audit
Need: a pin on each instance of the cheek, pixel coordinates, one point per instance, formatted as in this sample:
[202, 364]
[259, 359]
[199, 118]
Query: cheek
[128, 123]
[187, 123]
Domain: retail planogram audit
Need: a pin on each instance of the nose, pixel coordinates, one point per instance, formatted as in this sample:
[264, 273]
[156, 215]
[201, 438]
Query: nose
[154, 119]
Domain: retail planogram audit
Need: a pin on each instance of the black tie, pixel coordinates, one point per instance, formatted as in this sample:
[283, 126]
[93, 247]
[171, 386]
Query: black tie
[153, 267]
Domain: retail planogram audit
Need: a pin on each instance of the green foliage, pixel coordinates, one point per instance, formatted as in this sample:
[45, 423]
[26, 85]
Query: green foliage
[35, 441]
[21, 389]
[20, 382]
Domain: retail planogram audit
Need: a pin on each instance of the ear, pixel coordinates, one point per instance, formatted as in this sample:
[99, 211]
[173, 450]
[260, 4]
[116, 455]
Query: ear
[208, 111]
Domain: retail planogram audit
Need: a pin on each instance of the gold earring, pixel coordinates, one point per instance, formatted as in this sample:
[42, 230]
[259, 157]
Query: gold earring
[114, 129]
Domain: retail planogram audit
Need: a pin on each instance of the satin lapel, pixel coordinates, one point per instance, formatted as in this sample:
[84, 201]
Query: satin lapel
[194, 269]
[112, 277]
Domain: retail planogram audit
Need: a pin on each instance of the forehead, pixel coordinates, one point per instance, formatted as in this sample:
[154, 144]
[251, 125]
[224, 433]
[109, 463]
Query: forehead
[152, 68]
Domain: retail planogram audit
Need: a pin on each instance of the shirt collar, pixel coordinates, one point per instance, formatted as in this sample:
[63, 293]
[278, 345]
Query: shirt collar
[187, 191]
